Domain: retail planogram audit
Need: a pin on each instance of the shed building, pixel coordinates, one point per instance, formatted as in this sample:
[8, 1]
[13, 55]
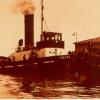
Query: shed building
[90, 43]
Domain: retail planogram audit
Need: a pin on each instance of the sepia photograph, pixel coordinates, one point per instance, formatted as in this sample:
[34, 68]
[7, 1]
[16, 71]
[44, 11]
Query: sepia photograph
[49, 49]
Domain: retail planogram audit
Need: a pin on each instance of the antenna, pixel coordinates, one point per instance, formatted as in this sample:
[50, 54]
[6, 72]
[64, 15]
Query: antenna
[42, 16]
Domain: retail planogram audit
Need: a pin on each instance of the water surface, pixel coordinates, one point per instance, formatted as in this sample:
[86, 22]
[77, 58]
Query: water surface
[18, 87]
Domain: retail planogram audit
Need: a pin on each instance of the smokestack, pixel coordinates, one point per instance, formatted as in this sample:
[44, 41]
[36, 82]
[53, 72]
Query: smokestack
[29, 31]
[26, 7]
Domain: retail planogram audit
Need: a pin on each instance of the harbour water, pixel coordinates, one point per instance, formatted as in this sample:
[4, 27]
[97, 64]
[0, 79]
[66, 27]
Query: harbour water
[25, 87]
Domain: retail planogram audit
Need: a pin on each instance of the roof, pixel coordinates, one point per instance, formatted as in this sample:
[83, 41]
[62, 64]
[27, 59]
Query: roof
[51, 33]
[94, 40]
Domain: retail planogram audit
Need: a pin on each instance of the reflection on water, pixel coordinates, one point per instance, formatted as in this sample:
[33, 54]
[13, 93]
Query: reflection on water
[26, 87]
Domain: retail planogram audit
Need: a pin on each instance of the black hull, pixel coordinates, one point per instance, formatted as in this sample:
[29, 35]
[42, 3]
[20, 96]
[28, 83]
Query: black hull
[55, 70]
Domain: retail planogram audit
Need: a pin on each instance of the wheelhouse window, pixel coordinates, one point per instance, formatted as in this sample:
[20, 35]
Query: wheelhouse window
[42, 38]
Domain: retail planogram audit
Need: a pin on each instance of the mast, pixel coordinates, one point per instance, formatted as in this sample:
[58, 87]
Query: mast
[42, 16]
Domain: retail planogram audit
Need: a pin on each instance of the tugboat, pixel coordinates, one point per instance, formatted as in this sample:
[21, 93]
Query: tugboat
[47, 56]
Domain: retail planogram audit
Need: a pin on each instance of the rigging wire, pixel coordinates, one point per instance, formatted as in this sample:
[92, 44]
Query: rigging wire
[47, 28]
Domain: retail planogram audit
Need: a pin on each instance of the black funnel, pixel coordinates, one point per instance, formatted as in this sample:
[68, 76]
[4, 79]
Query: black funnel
[29, 31]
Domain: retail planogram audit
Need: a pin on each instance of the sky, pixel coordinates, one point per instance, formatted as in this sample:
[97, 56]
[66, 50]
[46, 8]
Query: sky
[65, 16]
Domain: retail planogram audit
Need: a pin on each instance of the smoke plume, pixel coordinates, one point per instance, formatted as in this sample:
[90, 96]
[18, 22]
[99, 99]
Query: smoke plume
[25, 6]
